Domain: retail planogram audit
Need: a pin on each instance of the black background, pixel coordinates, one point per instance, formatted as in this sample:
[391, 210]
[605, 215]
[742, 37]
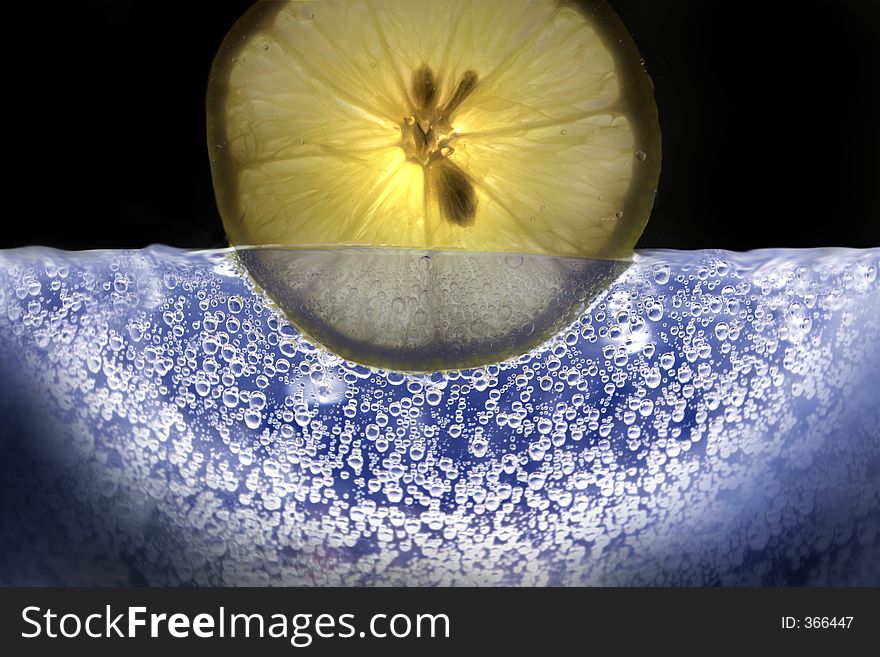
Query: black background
[769, 113]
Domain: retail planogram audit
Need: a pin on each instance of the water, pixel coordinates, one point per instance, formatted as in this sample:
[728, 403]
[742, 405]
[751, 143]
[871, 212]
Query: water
[711, 418]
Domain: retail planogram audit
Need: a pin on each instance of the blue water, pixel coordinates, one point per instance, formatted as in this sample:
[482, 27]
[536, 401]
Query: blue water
[711, 418]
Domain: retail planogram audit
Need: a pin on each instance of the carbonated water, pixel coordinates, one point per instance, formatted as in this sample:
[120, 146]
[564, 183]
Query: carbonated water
[711, 418]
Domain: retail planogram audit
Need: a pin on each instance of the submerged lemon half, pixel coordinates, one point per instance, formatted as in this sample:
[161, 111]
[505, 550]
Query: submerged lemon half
[438, 129]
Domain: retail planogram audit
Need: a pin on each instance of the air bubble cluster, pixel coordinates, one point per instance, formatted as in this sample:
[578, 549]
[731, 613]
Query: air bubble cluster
[711, 418]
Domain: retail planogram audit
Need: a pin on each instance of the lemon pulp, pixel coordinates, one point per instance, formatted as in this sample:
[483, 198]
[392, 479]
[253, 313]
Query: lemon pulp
[453, 124]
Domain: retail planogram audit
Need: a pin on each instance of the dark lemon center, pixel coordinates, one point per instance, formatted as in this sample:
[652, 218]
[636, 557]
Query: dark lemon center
[426, 135]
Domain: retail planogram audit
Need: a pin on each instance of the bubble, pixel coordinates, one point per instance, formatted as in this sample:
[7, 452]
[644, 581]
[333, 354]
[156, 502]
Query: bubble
[136, 331]
[661, 274]
[253, 418]
[235, 305]
[230, 398]
[655, 312]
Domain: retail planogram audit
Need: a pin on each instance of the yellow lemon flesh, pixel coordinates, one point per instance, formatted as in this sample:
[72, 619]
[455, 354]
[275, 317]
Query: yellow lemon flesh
[450, 130]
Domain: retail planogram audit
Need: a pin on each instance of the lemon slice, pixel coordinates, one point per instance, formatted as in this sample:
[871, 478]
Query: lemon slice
[432, 185]
[421, 311]
[452, 124]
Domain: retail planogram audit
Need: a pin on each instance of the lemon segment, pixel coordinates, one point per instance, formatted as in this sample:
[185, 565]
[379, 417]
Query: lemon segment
[447, 125]
[405, 310]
